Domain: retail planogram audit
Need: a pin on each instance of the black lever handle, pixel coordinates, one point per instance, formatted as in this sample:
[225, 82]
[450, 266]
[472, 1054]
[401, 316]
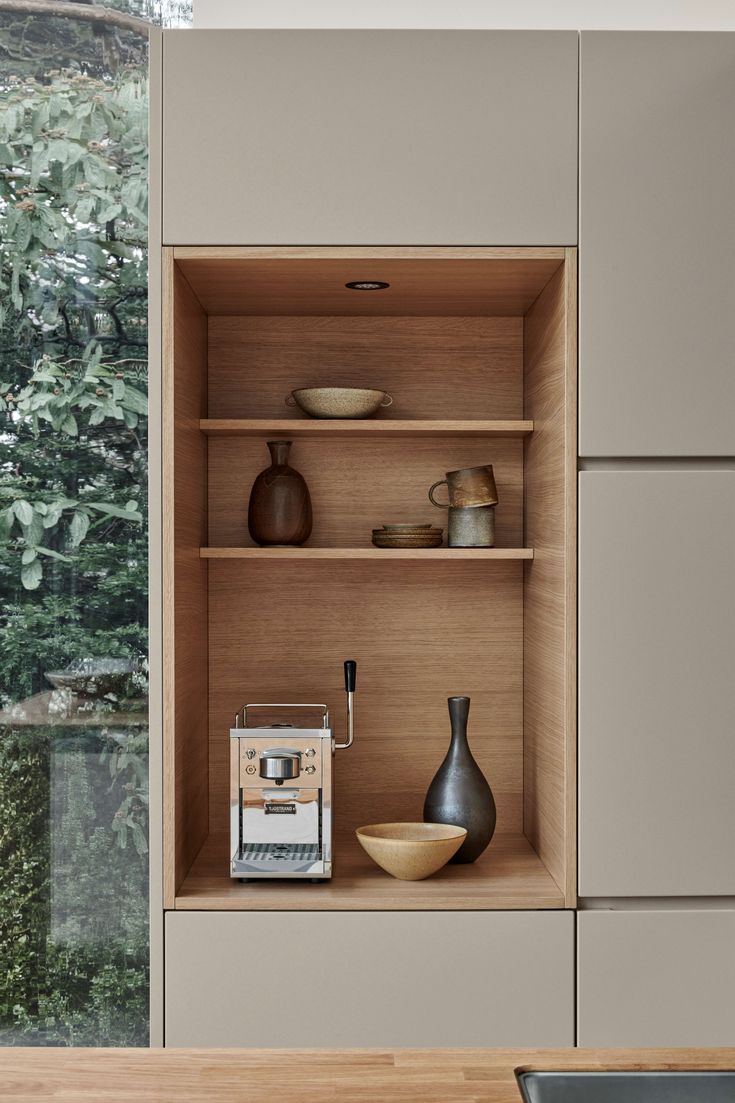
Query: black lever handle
[350, 675]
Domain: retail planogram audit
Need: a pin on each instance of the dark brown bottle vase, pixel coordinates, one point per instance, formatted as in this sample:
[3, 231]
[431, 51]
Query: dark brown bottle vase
[279, 511]
[459, 793]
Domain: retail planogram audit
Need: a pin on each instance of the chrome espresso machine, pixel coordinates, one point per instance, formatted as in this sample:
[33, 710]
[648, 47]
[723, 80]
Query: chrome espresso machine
[281, 793]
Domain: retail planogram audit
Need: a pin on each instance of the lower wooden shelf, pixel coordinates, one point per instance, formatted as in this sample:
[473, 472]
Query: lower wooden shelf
[446, 554]
[508, 876]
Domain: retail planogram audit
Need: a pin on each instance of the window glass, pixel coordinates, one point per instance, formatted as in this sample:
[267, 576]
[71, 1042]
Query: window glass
[73, 529]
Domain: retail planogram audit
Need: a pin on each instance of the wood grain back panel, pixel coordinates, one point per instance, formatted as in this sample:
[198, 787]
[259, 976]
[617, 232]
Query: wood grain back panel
[419, 632]
[437, 367]
[359, 485]
[549, 779]
[185, 578]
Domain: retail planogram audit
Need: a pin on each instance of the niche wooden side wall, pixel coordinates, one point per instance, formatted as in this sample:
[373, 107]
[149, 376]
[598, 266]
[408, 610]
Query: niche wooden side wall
[185, 667]
[550, 592]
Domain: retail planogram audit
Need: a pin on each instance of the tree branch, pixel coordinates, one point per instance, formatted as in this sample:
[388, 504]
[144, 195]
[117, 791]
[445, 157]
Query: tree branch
[92, 13]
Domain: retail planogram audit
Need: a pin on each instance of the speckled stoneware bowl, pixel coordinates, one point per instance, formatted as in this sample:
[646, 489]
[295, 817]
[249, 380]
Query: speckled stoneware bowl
[338, 402]
[411, 851]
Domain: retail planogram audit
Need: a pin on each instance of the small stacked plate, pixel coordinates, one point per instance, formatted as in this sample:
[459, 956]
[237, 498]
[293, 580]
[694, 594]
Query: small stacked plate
[408, 536]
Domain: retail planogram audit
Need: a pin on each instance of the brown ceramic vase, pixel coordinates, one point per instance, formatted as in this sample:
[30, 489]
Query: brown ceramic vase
[459, 793]
[279, 511]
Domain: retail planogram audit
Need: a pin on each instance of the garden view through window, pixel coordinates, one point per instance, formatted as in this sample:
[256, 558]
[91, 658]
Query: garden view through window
[73, 530]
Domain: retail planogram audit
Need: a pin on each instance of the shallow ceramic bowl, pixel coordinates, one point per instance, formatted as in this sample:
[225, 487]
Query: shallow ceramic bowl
[335, 402]
[431, 538]
[408, 527]
[411, 851]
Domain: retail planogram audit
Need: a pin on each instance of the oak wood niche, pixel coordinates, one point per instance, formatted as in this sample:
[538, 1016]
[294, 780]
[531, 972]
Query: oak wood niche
[477, 347]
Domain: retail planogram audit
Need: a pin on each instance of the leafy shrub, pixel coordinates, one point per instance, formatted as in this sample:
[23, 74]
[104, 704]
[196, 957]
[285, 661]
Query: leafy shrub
[73, 540]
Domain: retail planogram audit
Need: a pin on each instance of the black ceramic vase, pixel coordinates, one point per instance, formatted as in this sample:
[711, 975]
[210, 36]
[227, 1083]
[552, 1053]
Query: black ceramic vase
[279, 510]
[459, 793]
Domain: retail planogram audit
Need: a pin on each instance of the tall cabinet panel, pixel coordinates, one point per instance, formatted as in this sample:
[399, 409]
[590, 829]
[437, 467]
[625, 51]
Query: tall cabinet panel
[370, 137]
[657, 244]
[656, 685]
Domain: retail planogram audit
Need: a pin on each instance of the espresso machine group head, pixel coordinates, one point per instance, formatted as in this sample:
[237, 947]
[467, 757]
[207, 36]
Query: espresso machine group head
[281, 792]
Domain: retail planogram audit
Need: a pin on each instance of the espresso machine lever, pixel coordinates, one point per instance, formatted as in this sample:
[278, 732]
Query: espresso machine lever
[350, 682]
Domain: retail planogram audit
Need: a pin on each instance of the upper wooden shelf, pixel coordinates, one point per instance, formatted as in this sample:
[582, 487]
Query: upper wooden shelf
[449, 555]
[265, 427]
[509, 875]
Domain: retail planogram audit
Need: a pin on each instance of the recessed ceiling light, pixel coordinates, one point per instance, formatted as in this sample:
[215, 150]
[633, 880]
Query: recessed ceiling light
[367, 285]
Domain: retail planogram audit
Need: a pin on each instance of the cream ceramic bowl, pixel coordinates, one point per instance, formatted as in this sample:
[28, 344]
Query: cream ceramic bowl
[345, 402]
[411, 851]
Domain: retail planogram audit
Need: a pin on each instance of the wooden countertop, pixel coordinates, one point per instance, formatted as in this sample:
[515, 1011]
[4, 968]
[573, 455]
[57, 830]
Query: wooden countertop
[308, 1076]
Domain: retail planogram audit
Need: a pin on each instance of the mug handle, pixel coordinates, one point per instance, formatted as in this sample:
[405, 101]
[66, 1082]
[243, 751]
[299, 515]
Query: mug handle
[432, 499]
[290, 400]
[387, 400]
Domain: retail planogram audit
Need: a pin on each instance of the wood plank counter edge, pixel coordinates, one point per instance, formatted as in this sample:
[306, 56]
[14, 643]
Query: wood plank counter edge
[308, 1076]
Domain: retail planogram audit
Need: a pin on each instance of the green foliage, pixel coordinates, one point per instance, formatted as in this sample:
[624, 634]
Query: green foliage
[73, 224]
[73, 194]
[127, 759]
[73, 907]
[24, 868]
[58, 393]
[73, 540]
[93, 996]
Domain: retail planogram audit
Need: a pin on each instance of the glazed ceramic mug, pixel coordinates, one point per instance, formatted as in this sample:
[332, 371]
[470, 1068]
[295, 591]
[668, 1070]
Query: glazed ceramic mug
[469, 487]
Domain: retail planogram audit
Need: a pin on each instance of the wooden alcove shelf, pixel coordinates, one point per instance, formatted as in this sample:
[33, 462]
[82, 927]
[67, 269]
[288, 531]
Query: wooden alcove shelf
[440, 555]
[509, 875]
[377, 430]
[477, 348]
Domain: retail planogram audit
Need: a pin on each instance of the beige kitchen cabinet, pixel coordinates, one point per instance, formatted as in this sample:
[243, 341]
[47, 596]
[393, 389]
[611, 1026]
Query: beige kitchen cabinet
[656, 978]
[656, 684]
[657, 244]
[370, 137]
[369, 979]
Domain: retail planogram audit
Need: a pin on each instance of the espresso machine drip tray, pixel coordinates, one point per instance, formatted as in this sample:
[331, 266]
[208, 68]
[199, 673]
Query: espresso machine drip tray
[284, 852]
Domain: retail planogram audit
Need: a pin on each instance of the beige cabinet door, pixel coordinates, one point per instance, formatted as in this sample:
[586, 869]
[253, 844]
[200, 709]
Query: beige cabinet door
[370, 137]
[656, 978]
[331, 979]
[656, 683]
[657, 244]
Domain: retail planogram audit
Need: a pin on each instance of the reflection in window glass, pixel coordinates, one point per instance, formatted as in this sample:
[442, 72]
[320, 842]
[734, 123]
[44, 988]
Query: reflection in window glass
[73, 531]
